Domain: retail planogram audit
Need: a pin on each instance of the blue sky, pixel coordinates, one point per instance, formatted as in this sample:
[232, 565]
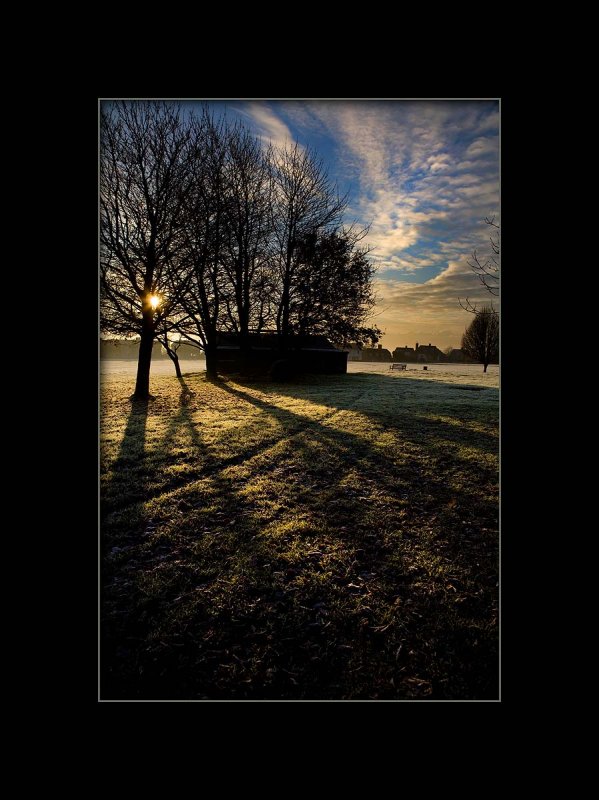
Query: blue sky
[423, 174]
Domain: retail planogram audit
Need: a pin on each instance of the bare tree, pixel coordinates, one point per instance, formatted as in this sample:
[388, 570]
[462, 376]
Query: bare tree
[204, 287]
[247, 228]
[481, 339]
[487, 269]
[204, 231]
[143, 186]
[304, 203]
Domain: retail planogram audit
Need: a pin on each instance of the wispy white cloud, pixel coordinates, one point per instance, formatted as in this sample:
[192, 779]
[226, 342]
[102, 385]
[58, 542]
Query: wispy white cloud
[424, 175]
[408, 159]
[480, 147]
[270, 127]
[488, 123]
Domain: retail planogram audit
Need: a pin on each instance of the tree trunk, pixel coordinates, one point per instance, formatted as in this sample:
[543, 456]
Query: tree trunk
[142, 384]
[210, 363]
[244, 330]
[485, 367]
[285, 302]
[285, 322]
[175, 359]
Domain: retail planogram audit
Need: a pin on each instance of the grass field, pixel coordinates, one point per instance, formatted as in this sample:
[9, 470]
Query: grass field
[335, 538]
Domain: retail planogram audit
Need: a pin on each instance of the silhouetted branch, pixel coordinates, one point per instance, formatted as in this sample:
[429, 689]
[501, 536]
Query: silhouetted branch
[486, 270]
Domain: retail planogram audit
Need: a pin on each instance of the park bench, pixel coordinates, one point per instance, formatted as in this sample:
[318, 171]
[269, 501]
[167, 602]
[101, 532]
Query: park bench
[398, 366]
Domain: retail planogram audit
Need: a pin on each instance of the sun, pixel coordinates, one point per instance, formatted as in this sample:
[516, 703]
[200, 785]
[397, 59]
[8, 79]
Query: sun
[154, 301]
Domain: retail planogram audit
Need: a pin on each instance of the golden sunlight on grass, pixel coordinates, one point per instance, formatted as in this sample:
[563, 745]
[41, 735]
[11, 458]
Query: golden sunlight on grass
[339, 541]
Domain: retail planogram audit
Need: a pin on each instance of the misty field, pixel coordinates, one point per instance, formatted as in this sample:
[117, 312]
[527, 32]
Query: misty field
[333, 538]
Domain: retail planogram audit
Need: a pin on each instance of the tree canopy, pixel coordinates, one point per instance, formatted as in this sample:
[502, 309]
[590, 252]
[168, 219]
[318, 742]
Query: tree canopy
[481, 339]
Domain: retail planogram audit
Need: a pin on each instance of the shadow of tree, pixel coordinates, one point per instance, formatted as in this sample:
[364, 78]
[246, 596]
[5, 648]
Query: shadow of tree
[242, 594]
[127, 481]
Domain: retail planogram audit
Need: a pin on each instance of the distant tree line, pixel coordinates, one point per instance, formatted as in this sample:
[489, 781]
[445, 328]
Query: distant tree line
[204, 230]
[128, 349]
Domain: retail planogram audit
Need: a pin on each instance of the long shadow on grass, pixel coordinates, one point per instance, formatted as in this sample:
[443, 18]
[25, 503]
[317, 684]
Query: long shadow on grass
[128, 482]
[339, 580]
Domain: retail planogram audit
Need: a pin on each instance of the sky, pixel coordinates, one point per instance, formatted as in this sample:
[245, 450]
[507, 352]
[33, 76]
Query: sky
[424, 175]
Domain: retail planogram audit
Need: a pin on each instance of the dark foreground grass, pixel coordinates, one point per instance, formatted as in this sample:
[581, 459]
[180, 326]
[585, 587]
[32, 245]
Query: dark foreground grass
[330, 539]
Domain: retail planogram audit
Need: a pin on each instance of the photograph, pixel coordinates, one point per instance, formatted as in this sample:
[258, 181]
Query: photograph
[299, 328]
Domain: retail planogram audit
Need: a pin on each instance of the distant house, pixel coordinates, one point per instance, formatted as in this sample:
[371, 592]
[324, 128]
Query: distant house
[404, 354]
[302, 354]
[428, 353]
[355, 352]
[457, 356]
[376, 354]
